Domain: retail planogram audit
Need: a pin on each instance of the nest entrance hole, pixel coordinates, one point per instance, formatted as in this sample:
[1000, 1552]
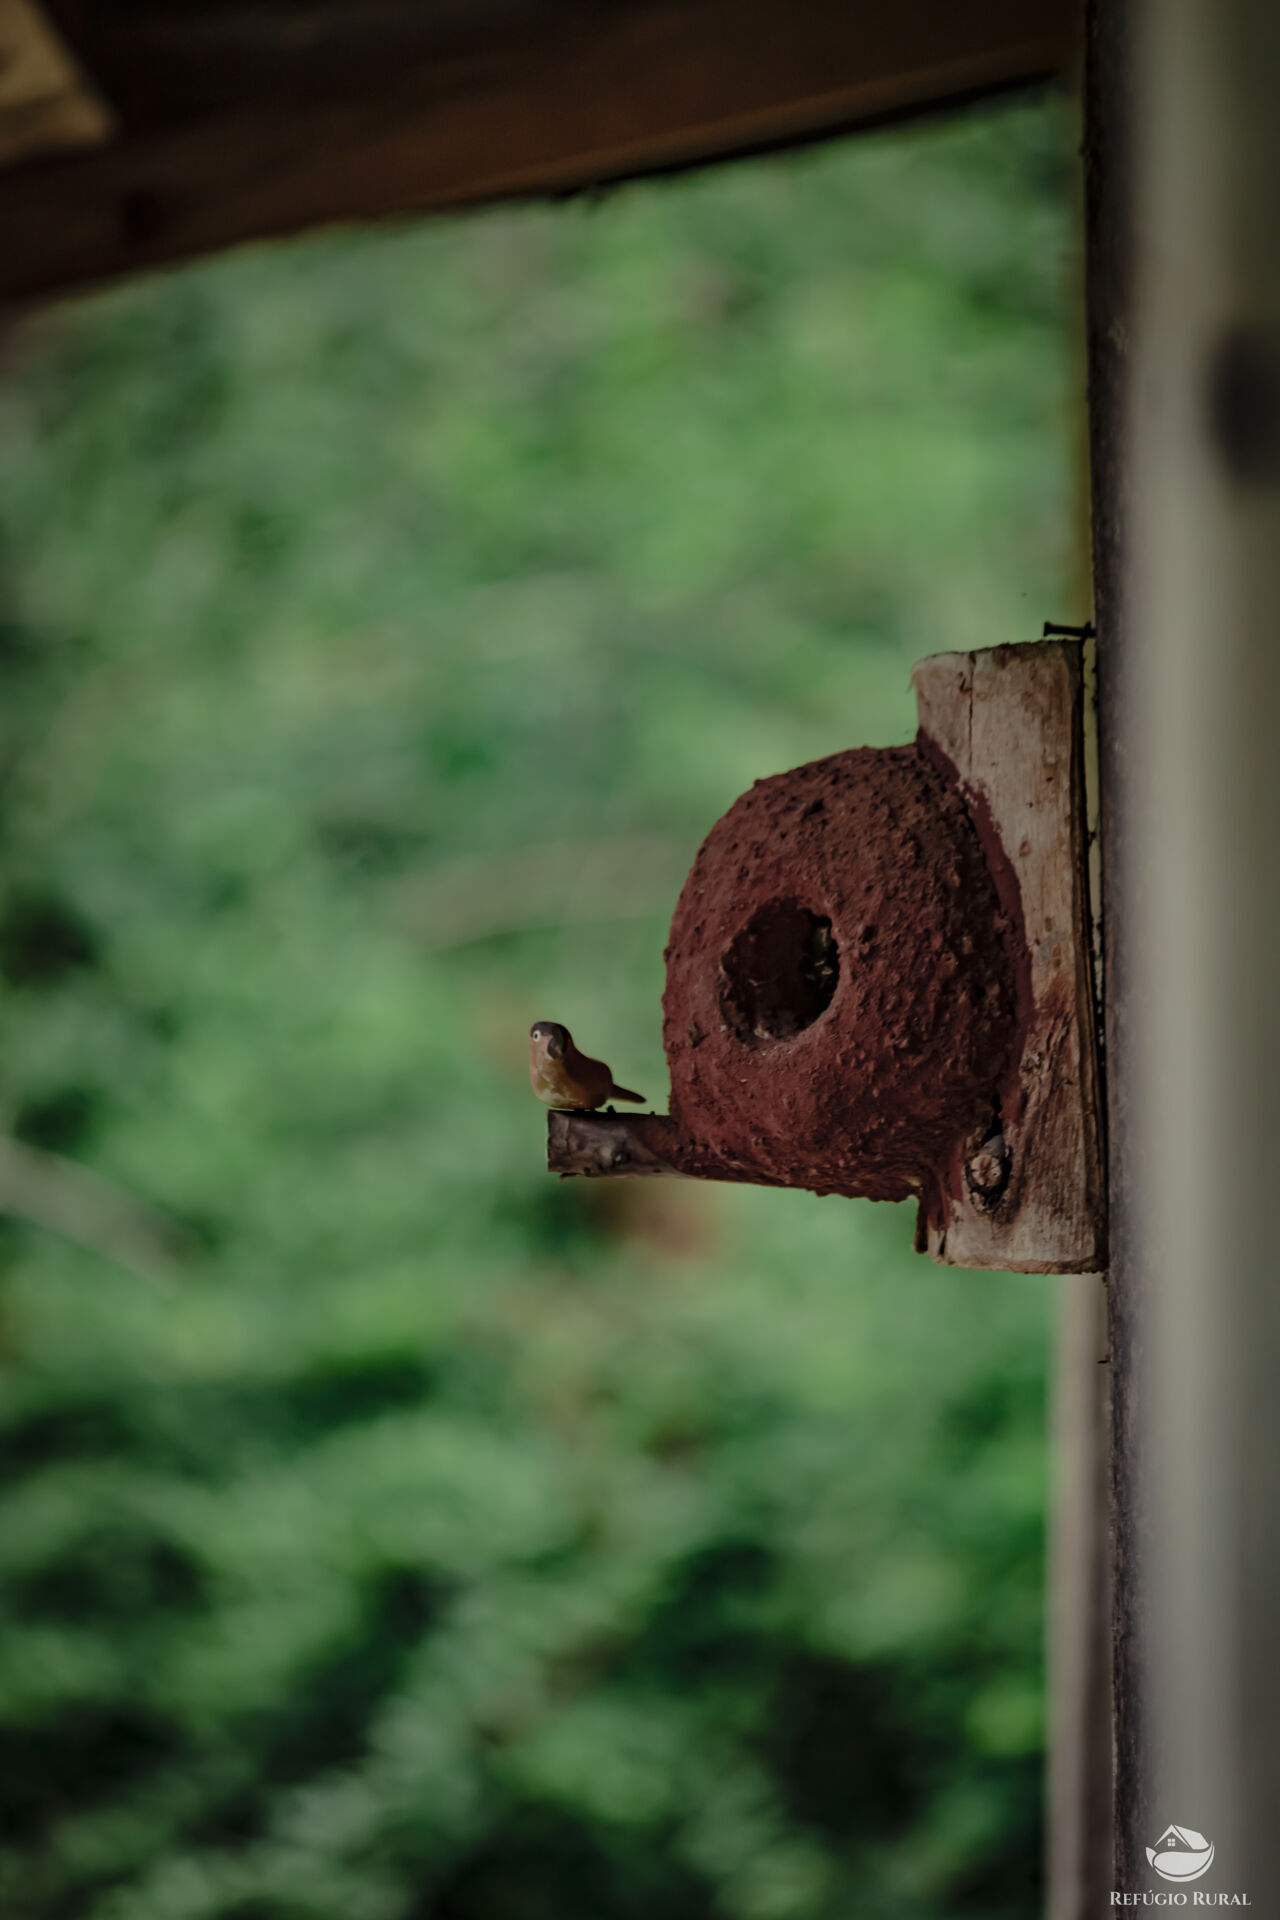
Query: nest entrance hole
[780, 973]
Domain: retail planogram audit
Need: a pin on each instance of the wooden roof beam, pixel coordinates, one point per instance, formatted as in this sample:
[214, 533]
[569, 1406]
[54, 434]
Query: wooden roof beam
[244, 123]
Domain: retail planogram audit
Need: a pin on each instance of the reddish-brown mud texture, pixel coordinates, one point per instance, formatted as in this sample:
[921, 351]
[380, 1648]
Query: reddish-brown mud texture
[904, 1057]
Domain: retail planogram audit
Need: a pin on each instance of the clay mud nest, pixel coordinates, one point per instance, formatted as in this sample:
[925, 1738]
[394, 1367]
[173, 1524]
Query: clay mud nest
[841, 999]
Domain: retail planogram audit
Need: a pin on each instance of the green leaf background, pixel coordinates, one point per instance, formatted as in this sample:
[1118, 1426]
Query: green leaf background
[389, 1532]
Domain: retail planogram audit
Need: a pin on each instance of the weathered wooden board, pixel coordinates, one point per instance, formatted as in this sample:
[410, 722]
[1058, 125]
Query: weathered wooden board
[239, 121]
[1009, 721]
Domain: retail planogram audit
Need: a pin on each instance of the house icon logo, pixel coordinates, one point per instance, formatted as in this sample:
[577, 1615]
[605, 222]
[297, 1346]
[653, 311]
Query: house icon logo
[1181, 1854]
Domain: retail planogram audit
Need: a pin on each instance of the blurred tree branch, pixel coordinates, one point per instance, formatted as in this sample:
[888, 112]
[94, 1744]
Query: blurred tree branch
[561, 883]
[77, 1204]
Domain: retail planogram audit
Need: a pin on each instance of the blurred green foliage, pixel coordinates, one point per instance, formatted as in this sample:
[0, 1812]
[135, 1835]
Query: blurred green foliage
[389, 1532]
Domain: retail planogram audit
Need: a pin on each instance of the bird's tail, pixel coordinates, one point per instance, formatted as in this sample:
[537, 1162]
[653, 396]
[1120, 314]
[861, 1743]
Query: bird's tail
[625, 1093]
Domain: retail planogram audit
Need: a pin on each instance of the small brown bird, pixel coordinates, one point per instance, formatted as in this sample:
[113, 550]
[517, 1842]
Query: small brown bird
[563, 1077]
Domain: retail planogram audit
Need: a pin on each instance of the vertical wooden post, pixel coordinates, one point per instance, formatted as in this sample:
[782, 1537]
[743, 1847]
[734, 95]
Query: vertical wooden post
[1079, 1863]
[1200, 700]
[1185, 338]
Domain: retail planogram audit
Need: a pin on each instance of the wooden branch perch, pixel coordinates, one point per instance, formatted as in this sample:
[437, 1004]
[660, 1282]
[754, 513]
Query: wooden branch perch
[635, 1145]
[591, 1144]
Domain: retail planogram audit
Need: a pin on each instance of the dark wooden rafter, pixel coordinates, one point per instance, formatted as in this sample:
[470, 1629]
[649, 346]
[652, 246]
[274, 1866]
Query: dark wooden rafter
[243, 121]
